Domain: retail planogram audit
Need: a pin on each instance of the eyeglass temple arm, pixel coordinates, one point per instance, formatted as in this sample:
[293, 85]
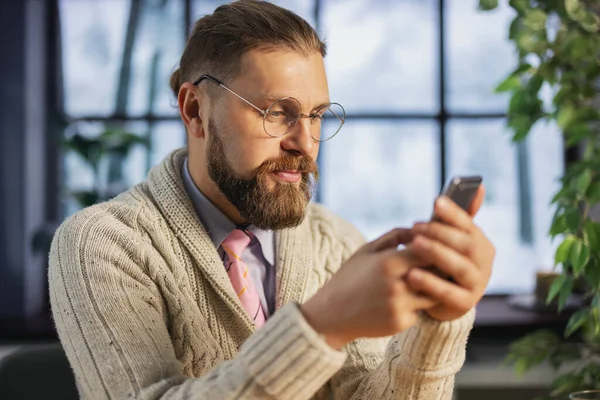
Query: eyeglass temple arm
[218, 82]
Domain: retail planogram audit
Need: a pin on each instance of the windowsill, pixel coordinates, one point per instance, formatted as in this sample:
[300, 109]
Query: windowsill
[497, 324]
[494, 311]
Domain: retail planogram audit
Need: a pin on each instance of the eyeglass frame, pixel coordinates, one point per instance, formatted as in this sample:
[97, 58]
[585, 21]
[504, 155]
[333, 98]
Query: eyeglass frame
[264, 113]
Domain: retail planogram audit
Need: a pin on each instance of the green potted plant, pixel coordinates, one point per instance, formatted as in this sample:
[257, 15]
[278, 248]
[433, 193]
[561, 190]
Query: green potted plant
[110, 148]
[558, 44]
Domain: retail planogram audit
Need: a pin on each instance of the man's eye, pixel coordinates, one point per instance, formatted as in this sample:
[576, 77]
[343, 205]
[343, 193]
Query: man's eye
[277, 113]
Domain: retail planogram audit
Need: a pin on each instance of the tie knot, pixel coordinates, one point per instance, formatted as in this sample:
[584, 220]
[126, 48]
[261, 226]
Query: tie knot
[236, 242]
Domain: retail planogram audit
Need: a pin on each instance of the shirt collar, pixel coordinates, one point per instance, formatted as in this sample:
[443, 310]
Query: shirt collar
[217, 224]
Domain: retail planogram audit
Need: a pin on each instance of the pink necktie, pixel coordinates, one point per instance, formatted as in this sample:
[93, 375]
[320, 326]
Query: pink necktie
[234, 245]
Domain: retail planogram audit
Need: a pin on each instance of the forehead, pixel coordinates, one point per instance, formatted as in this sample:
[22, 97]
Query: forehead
[280, 73]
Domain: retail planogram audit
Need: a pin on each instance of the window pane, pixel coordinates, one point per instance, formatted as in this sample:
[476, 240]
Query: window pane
[516, 220]
[304, 8]
[166, 137]
[382, 54]
[158, 46]
[92, 46]
[381, 174]
[479, 56]
[94, 35]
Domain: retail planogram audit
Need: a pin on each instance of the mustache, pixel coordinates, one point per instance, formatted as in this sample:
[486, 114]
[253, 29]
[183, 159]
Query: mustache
[304, 164]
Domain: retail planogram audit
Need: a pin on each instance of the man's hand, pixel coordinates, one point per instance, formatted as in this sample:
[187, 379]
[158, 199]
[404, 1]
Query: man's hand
[458, 248]
[368, 296]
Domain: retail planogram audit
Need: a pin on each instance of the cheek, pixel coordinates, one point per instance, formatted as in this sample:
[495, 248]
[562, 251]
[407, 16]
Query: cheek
[246, 152]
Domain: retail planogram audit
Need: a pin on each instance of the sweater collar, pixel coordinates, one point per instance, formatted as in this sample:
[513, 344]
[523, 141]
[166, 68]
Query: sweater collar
[294, 257]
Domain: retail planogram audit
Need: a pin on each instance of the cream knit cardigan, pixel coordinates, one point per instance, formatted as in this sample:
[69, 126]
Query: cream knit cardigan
[145, 310]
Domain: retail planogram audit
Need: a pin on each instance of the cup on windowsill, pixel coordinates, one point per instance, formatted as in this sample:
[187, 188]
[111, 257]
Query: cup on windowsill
[585, 395]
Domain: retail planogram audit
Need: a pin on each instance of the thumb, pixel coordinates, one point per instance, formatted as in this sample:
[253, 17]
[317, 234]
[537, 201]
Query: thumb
[389, 240]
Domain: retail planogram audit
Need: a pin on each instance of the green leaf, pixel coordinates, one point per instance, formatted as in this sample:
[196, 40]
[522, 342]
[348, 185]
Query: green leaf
[593, 193]
[532, 349]
[519, 5]
[516, 28]
[572, 7]
[547, 71]
[522, 365]
[487, 5]
[592, 232]
[510, 83]
[565, 116]
[565, 292]
[577, 320]
[559, 225]
[564, 352]
[577, 131]
[596, 301]
[531, 44]
[579, 256]
[572, 219]
[583, 181]
[565, 194]
[535, 84]
[592, 273]
[521, 125]
[566, 384]
[563, 251]
[589, 21]
[518, 101]
[576, 48]
[535, 19]
[555, 287]
[563, 95]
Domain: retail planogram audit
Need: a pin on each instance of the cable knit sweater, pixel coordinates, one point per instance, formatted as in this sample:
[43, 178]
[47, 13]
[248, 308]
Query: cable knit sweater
[145, 310]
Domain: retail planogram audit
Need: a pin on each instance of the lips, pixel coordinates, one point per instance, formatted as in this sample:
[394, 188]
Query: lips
[288, 175]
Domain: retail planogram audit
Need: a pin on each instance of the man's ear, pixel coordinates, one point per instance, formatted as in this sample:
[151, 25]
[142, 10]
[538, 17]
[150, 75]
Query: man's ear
[190, 108]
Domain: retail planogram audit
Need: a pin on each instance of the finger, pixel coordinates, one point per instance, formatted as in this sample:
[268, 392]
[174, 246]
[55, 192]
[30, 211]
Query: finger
[393, 263]
[390, 240]
[477, 201]
[421, 302]
[440, 290]
[449, 212]
[449, 261]
[454, 238]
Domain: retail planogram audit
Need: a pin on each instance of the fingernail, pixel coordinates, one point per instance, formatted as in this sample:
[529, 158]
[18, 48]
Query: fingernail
[442, 202]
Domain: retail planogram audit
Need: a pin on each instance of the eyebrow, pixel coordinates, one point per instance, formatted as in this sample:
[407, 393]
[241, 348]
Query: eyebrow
[272, 99]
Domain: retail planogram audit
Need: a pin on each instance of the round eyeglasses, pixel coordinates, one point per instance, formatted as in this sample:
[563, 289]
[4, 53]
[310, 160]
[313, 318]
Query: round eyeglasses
[283, 115]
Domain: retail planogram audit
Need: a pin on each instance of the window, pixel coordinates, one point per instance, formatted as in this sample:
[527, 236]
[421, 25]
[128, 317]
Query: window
[416, 78]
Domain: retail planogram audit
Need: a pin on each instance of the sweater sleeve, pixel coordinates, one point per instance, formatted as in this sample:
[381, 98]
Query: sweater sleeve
[109, 319]
[418, 364]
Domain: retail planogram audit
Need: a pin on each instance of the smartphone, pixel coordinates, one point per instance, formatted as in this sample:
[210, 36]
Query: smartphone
[461, 190]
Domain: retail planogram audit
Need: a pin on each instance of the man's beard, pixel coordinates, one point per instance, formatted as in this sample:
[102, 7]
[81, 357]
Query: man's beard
[282, 206]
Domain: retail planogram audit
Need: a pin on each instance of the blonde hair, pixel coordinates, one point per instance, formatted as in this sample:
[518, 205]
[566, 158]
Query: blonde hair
[218, 41]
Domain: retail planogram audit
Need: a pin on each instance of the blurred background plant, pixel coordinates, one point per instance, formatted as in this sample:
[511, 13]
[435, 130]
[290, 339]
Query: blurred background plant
[558, 45]
[104, 155]
[108, 149]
